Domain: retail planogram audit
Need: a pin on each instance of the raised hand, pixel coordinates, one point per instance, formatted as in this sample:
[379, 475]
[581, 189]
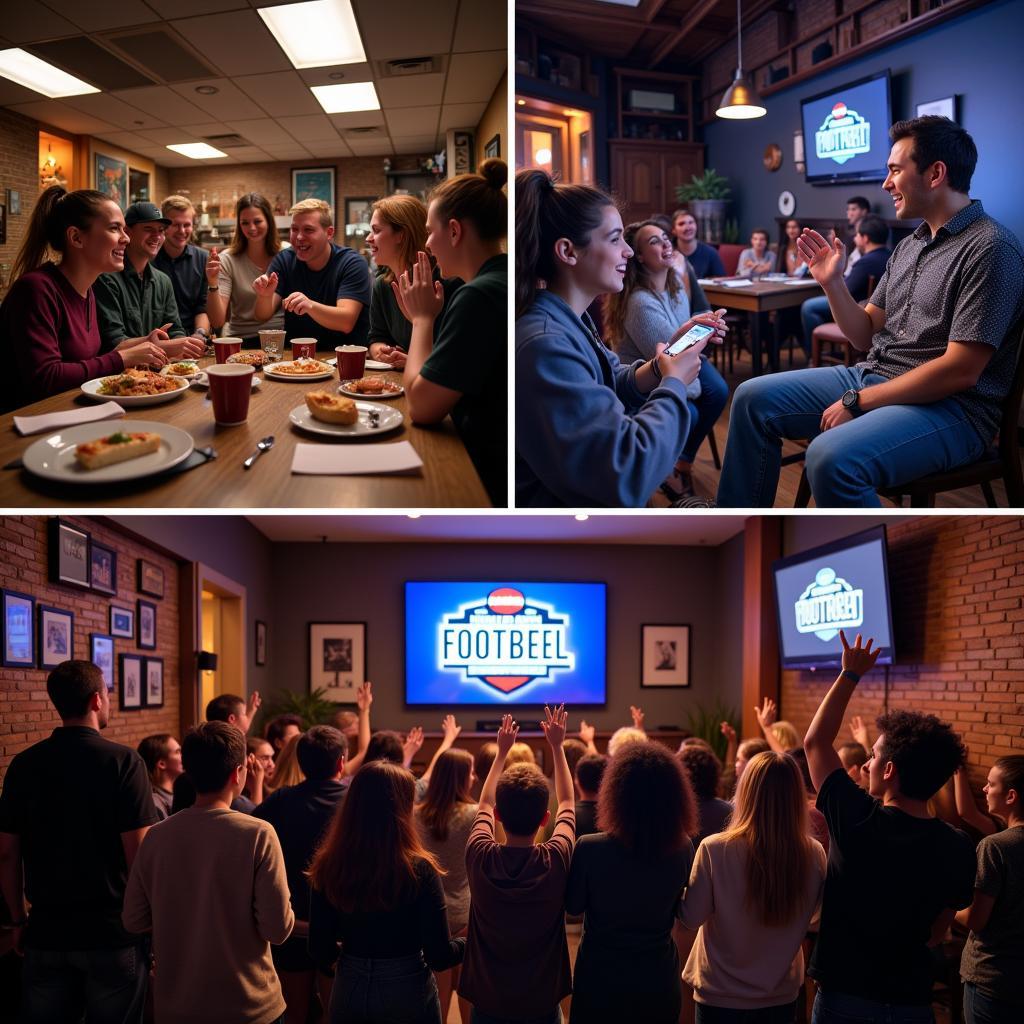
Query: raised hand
[859, 658]
[412, 744]
[450, 728]
[265, 284]
[255, 768]
[728, 732]
[638, 717]
[420, 296]
[364, 697]
[213, 268]
[859, 732]
[253, 704]
[587, 732]
[824, 260]
[507, 735]
[766, 714]
[554, 725]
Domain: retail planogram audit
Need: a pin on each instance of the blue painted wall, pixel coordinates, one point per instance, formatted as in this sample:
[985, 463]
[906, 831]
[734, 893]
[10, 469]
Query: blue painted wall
[977, 56]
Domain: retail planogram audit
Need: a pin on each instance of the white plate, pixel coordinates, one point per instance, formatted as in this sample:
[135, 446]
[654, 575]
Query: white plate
[202, 381]
[371, 364]
[274, 371]
[53, 457]
[181, 376]
[91, 390]
[390, 419]
[359, 394]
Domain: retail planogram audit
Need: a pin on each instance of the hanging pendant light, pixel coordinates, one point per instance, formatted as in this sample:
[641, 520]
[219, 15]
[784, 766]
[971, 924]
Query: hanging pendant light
[740, 100]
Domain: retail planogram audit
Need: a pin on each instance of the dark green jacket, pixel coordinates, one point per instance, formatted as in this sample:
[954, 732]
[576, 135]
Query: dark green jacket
[130, 307]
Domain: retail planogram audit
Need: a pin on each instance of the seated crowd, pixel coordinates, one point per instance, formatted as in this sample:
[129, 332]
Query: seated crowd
[608, 420]
[95, 291]
[380, 895]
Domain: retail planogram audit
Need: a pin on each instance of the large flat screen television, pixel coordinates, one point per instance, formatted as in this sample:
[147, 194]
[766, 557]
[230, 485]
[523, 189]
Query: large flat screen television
[843, 585]
[504, 642]
[846, 132]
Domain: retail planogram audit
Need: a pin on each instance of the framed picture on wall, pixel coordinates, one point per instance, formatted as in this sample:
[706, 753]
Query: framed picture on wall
[130, 678]
[101, 654]
[122, 622]
[664, 655]
[944, 108]
[138, 185]
[102, 568]
[56, 636]
[19, 613]
[146, 625]
[313, 183]
[337, 658]
[492, 147]
[149, 578]
[69, 554]
[261, 643]
[111, 178]
[154, 676]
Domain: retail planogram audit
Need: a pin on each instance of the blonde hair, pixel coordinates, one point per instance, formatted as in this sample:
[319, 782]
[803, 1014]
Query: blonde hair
[315, 206]
[786, 734]
[177, 203]
[286, 768]
[770, 818]
[623, 737]
[408, 215]
[520, 753]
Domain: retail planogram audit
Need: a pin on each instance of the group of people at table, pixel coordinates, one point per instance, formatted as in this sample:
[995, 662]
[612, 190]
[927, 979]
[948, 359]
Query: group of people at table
[96, 290]
[608, 421]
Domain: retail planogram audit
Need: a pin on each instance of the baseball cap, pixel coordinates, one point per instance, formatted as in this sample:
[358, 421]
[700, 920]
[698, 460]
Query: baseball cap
[138, 213]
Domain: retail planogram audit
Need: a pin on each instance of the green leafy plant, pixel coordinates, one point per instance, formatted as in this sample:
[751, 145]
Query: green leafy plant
[710, 185]
[705, 721]
[732, 231]
[313, 708]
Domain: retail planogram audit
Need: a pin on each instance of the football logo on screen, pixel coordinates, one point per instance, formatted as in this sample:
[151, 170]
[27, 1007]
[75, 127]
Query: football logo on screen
[843, 135]
[505, 640]
[828, 605]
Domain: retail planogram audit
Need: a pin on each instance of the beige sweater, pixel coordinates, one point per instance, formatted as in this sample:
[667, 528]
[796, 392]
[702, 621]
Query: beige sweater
[210, 884]
[737, 962]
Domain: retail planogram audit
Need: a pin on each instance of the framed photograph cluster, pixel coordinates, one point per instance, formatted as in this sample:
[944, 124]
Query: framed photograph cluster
[56, 636]
[337, 658]
[77, 560]
[101, 654]
[19, 638]
[149, 578]
[140, 682]
[146, 620]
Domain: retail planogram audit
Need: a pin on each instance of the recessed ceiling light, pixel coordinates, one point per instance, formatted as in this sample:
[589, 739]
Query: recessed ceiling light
[316, 33]
[22, 67]
[207, 90]
[581, 517]
[336, 75]
[196, 150]
[346, 99]
[521, 103]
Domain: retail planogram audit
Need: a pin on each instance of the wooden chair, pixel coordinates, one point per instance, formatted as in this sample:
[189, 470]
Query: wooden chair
[1000, 462]
[830, 334]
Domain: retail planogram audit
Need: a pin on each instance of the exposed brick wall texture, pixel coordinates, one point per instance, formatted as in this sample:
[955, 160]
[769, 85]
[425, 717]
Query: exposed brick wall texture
[957, 587]
[26, 714]
[19, 154]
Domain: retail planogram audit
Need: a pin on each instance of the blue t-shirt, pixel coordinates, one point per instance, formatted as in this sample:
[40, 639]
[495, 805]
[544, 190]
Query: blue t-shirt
[346, 276]
[706, 262]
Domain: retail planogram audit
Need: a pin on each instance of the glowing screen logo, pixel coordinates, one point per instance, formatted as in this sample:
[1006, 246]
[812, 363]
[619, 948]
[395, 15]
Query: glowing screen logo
[828, 605]
[843, 135]
[505, 641]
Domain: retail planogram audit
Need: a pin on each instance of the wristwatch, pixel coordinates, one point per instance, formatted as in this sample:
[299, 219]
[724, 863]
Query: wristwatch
[851, 400]
[213, 287]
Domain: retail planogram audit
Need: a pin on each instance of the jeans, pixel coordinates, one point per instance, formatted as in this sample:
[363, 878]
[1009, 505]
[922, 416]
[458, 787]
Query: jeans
[981, 1008]
[106, 986]
[401, 990]
[849, 463]
[763, 1015]
[705, 409]
[839, 1008]
[813, 313]
[479, 1017]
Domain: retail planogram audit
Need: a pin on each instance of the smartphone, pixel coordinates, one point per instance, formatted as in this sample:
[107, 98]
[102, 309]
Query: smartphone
[691, 337]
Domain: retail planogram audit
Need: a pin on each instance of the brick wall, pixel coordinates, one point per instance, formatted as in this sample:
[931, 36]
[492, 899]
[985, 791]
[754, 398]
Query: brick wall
[19, 154]
[26, 714]
[957, 586]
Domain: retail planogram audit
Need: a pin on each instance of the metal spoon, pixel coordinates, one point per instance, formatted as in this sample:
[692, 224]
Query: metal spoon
[261, 446]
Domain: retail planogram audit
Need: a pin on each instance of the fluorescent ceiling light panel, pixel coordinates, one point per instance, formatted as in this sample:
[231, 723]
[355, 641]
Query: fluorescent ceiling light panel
[316, 34]
[621, 3]
[22, 67]
[346, 99]
[196, 150]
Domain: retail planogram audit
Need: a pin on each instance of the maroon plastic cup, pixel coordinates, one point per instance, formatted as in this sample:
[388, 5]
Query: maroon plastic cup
[303, 348]
[230, 388]
[351, 361]
[224, 347]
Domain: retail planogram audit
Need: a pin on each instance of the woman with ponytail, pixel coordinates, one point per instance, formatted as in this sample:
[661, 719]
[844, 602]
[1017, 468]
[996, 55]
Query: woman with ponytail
[48, 327]
[464, 371]
[753, 892]
[590, 431]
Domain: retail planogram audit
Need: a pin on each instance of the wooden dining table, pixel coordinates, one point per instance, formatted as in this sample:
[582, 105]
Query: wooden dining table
[447, 478]
[759, 297]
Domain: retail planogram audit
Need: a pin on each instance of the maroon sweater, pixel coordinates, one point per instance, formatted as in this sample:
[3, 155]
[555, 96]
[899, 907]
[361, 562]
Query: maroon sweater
[49, 338]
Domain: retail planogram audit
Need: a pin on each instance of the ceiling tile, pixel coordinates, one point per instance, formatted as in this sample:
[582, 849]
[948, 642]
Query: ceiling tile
[371, 146]
[313, 127]
[100, 15]
[413, 91]
[60, 115]
[110, 108]
[247, 154]
[188, 8]
[261, 131]
[165, 136]
[200, 131]
[84, 58]
[163, 102]
[293, 152]
[29, 21]
[280, 94]
[236, 43]
[418, 146]
[474, 76]
[329, 149]
[480, 26]
[461, 115]
[418, 30]
[360, 119]
[228, 102]
[348, 72]
[12, 93]
[412, 120]
[126, 140]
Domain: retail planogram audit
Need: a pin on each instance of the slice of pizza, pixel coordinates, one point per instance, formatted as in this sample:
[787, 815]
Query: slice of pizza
[116, 447]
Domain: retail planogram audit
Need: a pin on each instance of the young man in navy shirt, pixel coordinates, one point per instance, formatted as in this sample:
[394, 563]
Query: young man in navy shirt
[324, 288]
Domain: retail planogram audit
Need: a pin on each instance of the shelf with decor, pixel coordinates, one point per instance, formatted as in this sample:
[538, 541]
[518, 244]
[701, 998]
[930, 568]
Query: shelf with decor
[654, 106]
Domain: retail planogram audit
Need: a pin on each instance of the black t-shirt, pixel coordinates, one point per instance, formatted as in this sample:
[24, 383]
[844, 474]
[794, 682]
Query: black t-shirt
[387, 321]
[300, 816]
[470, 355]
[586, 818]
[68, 799]
[890, 875]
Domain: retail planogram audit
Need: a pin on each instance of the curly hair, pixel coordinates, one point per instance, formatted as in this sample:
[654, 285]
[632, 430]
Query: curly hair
[703, 768]
[924, 749]
[646, 801]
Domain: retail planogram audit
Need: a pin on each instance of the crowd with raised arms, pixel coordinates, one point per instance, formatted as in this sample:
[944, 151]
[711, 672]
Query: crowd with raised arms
[357, 887]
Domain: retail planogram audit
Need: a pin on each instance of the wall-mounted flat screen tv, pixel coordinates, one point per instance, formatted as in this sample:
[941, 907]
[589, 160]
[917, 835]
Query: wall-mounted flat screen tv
[843, 585]
[846, 132]
[502, 642]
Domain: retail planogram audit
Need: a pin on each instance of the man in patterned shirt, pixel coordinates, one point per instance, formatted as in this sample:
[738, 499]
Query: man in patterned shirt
[928, 395]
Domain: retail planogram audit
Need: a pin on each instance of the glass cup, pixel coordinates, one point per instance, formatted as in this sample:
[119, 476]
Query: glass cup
[272, 342]
[224, 347]
[303, 348]
[230, 389]
[351, 361]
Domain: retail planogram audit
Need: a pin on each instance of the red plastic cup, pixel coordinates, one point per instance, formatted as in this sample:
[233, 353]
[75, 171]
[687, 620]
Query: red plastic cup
[230, 388]
[224, 347]
[351, 361]
[303, 348]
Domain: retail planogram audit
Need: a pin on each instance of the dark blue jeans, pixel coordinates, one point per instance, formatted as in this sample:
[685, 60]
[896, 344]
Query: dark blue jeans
[981, 1008]
[106, 986]
[401, 990]
[705, 409]
[839, 1008]
[785, 1014]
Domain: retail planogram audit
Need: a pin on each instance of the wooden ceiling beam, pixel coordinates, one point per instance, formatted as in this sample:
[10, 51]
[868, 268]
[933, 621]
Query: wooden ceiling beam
[690, 22]
[543, 12]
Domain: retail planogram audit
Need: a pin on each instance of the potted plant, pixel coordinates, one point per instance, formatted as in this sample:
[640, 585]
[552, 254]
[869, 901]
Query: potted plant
[707, 197]
[313, 708]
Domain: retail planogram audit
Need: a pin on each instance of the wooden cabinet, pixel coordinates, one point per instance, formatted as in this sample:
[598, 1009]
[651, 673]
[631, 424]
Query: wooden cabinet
[644, 175]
